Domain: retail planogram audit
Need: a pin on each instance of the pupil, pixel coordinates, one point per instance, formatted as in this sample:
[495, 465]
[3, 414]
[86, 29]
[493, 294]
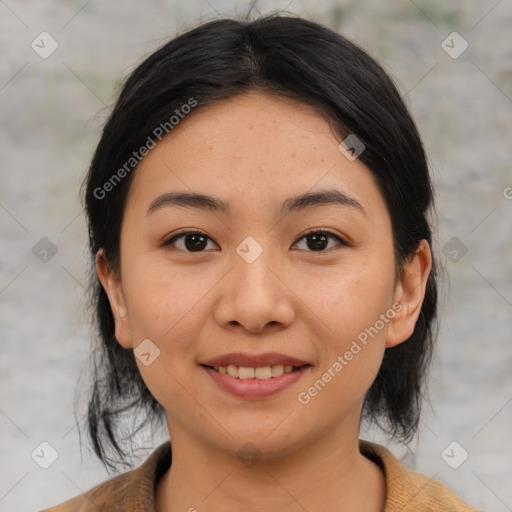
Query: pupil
[317, 239]
[198, 243]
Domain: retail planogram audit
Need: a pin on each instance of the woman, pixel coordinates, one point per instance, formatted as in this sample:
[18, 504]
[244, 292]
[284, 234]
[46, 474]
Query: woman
[258, 218]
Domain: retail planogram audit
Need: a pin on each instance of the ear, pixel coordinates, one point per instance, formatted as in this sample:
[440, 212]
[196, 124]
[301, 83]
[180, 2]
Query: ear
[111, 283]
[409, 293]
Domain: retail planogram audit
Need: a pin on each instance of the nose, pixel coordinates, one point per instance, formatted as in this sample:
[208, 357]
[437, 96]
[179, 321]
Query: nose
[255, 296]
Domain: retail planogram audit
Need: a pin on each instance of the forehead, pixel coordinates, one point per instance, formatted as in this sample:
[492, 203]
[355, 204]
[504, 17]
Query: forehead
[252, 147]
[254, 125]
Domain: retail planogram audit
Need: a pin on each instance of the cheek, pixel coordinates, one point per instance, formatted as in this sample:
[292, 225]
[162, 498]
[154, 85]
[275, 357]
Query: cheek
[174, 390]
[162, 300]
[164, 306]
[357, 310]
[352, 298]
[352, 352]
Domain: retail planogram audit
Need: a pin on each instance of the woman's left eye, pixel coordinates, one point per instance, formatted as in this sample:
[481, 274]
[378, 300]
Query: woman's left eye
[319, 240]
[195, 241]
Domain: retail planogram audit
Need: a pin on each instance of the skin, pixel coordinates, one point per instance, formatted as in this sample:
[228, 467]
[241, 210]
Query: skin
[255, 151]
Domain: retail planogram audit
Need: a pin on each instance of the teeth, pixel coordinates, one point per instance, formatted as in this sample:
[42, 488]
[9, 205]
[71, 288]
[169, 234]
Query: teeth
[245, 373]
[233, 371]
[261, 372]
[277, 370]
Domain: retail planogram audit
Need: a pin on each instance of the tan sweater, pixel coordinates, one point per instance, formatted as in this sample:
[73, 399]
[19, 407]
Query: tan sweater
[134, 491]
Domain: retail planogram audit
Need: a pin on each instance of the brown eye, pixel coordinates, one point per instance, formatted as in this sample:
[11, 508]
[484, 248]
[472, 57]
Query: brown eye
[189, 241]
[318, 241]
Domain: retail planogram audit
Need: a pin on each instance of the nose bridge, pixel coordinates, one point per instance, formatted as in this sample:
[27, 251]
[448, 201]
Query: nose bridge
[254, 295]
[251, 268]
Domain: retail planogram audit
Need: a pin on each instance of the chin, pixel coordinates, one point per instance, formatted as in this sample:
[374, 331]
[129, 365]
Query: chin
[263, 442]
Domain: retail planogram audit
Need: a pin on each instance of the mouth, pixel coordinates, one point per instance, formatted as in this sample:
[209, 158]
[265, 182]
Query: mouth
[255, 377]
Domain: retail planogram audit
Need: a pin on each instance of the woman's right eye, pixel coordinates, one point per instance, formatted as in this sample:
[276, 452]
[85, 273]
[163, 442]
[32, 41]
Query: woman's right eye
[189, 241]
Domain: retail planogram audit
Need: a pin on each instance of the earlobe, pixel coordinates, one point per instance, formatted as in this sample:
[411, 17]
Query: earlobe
[409, 293]
[111, 283]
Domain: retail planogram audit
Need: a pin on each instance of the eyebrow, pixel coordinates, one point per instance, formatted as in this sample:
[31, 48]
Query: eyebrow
[292, 204]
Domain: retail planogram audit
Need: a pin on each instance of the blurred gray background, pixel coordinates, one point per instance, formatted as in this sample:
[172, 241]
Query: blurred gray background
[52, 107]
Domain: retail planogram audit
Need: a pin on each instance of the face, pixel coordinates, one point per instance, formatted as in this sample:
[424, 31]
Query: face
[265, 282]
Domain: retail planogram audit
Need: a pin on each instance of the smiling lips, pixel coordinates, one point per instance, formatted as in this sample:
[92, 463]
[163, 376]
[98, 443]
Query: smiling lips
[255, 376]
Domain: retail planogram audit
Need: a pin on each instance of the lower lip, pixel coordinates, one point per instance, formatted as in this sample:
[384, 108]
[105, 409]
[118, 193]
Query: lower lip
[254, 389]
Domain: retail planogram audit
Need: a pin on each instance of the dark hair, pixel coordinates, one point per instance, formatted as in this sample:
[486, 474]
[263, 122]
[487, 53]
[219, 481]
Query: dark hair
[290, 57]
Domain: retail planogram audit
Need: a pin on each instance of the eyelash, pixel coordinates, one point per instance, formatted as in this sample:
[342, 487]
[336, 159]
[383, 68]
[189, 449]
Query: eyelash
[315, 231]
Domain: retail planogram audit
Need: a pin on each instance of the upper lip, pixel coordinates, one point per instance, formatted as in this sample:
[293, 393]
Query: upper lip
[255, 360]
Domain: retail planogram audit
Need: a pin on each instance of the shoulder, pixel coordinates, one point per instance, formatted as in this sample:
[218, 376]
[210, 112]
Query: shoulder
[102, 497]
[410, 490]
[131, 491]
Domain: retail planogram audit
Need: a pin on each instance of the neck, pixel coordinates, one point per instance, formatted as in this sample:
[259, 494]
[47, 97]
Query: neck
[326, 474]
